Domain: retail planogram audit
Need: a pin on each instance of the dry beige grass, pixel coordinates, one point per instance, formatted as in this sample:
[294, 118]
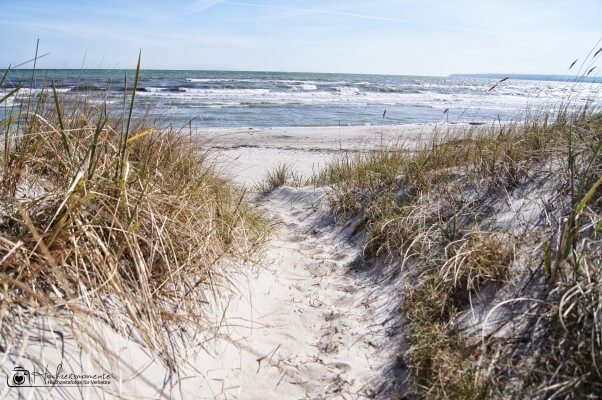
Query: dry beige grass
[433, 211]
[103, 215]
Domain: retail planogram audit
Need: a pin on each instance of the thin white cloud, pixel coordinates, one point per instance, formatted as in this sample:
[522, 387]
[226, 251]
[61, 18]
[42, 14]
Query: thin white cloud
[138, 36]
[203, 5]
[318, 11]
[353, 15]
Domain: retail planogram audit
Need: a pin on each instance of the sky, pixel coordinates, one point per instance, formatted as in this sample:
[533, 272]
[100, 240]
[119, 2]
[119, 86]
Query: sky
[402, 37]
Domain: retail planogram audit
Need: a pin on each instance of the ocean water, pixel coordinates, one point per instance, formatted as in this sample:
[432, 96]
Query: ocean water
[270, 99]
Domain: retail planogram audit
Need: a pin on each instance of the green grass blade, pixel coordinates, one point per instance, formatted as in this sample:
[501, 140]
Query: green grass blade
[33, 80]
[136, 79]
[6, 157]
[102, 119]
[4, 76]
[8, 120]
[590, 193]
[61, 124]
[6, 96]
[131, 109]
[39, 106]
[58, 107]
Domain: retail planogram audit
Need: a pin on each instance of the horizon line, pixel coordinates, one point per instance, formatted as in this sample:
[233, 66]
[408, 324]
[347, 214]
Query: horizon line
[472, 74]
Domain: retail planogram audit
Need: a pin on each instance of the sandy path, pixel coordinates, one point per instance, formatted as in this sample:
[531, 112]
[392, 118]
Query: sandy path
[305, 326]
[308, 322]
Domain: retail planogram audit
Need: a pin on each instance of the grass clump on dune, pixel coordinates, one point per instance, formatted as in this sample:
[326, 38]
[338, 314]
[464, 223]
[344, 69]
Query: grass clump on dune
[280, 176]
[497, 232]
[102, 215]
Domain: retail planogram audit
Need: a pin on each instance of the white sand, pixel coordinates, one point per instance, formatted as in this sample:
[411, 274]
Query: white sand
[304, 324]
[247, 154]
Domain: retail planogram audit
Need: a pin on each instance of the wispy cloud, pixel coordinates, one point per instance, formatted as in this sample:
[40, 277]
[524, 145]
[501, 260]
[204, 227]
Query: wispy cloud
[352, 15]
[202, 5]
[319, 11]
[135, 35]
[379, 36]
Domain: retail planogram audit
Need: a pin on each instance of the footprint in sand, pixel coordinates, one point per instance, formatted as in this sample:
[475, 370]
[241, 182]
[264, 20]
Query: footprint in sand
[339, 256]
[331, 316]
[296, 238]
[330, 340]
[341, 366]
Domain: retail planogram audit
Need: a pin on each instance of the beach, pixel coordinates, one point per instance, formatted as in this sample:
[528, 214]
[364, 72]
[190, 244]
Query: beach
[301, 298]
[248, 154]
[301, 200]
[319, 311]
[299, 285]
[302, 320]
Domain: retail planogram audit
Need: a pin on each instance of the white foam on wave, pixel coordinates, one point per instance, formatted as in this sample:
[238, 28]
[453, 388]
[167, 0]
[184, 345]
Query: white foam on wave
[352, 96]
[348, 90]
[304, 87]
[288, 82]
[203, 80]
[28, 91]
[153, 89]
[24, 93]
[226, 92]
[308, 82]
[192, 92]
[514, 95]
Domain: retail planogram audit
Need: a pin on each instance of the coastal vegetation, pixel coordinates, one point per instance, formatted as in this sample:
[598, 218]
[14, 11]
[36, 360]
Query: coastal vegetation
[108, 215]
[496, 233]
[282, 175]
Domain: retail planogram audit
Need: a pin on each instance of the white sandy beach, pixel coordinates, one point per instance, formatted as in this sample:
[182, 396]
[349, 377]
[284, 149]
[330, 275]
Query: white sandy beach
[308, 321]
[247, 154]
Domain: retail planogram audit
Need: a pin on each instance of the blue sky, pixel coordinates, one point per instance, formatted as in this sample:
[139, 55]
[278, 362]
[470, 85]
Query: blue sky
[420, 37]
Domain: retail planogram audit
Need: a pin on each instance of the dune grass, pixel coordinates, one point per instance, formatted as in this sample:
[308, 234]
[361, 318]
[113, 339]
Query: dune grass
[280, 176]
[445, 214]
[103, 215]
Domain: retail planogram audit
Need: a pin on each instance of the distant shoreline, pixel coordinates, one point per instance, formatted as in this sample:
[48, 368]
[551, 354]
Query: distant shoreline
[484, 75]
[533, 77]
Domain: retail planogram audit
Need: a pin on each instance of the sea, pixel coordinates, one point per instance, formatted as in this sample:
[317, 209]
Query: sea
[232, 99]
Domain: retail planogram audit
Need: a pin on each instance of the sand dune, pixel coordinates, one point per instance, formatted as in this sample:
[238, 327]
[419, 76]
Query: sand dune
[306, 322]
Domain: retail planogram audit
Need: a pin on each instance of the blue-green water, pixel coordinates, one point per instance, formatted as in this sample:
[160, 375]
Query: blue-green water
[269, 99]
